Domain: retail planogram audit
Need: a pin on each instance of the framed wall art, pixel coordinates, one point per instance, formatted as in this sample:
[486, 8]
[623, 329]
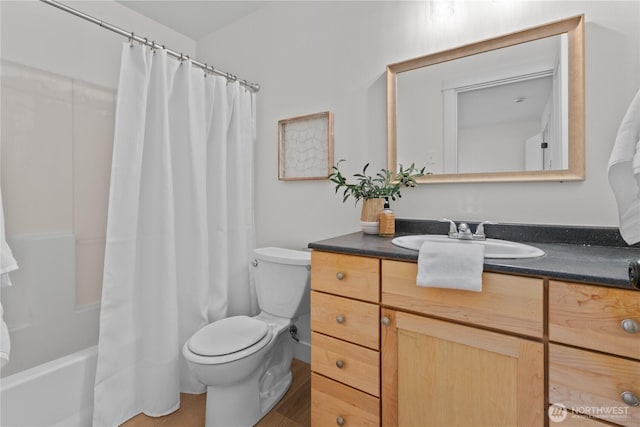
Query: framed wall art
[305, 147]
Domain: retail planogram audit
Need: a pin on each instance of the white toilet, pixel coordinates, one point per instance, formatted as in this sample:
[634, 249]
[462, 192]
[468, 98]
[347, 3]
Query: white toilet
[245, 362]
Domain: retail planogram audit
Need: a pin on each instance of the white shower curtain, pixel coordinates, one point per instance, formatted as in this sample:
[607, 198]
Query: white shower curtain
[180, 228]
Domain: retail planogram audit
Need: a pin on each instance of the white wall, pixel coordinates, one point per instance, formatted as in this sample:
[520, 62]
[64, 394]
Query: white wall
[311, 57]
[59, 78]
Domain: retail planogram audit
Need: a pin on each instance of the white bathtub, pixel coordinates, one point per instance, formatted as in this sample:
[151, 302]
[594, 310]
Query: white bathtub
[55, 394]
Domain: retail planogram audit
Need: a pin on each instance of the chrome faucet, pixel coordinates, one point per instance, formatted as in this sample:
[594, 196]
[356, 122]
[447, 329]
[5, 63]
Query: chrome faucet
[479, 234]
[463, 232]
[453, 229]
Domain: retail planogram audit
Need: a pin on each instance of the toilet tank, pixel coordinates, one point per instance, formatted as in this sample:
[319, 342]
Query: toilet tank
[282, 279]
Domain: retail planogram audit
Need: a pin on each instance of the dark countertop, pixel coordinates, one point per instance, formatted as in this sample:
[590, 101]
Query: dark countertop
[586, 263]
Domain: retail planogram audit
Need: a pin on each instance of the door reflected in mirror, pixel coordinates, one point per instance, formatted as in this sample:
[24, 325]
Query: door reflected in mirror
[505, 109]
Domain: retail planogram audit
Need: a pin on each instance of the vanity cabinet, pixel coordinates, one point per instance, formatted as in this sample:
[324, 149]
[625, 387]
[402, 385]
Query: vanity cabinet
[445, 371]
[345, 340]
[594, 354]
[385, 351]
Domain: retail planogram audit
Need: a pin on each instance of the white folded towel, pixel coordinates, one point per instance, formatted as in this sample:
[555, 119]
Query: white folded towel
[451, 264]
[624, 172]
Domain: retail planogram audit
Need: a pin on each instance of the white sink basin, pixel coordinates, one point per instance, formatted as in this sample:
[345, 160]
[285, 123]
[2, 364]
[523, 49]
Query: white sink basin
[493, 248]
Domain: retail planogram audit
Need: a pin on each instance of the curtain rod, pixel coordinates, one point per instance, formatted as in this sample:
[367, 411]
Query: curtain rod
[144, 40]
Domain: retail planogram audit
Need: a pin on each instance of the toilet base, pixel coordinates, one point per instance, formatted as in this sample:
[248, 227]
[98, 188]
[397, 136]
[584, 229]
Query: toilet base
[271, 398]
[244, 403]
[233, 406]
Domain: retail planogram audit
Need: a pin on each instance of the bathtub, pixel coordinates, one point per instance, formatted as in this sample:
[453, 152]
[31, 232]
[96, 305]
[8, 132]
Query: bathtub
[55, 394]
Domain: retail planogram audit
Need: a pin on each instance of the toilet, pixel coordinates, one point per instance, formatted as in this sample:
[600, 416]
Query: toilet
[245, 362]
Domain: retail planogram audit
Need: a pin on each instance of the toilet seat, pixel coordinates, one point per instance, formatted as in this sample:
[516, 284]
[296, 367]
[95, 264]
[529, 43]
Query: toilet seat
[229, 339]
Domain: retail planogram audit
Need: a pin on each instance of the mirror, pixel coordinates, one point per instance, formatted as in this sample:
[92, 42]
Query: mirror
[509, 108]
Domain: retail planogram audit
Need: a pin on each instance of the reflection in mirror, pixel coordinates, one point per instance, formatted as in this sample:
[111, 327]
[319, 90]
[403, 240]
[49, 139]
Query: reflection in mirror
[505, 109]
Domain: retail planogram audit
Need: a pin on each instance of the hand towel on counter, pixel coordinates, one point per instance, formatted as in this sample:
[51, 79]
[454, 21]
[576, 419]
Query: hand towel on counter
[624, 172]
[454, 264]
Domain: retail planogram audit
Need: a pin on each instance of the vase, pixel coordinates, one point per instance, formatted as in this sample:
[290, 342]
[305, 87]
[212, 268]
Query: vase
[370, 216]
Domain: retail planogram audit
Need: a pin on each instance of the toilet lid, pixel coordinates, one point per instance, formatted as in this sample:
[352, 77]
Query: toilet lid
[228, 336]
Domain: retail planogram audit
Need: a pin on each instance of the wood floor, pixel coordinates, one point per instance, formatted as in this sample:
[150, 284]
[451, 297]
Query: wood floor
[294, 410]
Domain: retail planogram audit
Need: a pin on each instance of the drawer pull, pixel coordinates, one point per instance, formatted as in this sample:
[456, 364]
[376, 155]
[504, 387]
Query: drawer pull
[340, 319]
[340, 421]
[630, 325]
[385, 321]
[339, 364]
[630, 398]
[339, 275]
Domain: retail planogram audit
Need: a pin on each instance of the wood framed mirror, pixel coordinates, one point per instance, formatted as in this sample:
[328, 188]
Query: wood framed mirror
[509, 108]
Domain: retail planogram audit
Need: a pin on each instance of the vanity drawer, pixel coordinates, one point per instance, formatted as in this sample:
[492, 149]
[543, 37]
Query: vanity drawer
[346, 275]
[509, 303]
[334, 404]
[347, 319]
[586, 380]
[348, 363]
[577, 420]
[591, 317]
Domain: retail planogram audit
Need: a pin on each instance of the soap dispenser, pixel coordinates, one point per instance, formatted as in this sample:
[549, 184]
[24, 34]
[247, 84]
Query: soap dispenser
[387, 221]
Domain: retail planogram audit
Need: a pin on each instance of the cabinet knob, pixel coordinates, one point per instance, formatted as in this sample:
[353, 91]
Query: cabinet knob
[340, 318]
[385, 321]
[630, 398]
[340, 421]
[630, 325]
[339, 275]
[339, 364]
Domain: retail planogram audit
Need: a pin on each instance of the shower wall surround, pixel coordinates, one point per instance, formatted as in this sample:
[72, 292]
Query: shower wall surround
[57, 136]
[58, 90]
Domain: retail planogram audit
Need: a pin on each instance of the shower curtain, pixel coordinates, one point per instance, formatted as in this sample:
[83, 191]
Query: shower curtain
[180, 228]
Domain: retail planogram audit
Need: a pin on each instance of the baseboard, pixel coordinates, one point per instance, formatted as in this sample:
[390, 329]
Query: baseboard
[302, 351]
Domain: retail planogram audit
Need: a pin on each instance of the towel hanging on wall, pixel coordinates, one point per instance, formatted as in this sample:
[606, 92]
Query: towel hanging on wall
[7, 261]
[7, 265]
[624, 172]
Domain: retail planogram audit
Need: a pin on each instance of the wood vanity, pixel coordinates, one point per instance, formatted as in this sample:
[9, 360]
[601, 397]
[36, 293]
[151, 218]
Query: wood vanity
[387, 352]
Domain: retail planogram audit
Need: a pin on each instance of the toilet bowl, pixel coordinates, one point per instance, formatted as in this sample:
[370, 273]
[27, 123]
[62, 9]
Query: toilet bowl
[245, 362]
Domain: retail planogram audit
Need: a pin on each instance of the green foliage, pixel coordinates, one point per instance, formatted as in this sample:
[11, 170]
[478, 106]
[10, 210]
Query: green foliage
[382, 184]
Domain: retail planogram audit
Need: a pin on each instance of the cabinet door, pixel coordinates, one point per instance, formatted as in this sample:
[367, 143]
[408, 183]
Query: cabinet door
[438, 373]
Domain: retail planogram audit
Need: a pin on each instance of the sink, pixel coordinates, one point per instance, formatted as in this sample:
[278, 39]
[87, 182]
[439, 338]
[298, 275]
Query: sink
[493, 248]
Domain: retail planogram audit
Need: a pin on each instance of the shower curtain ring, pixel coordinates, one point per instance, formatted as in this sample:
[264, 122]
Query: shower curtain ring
[206, 67]
[131, 39]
